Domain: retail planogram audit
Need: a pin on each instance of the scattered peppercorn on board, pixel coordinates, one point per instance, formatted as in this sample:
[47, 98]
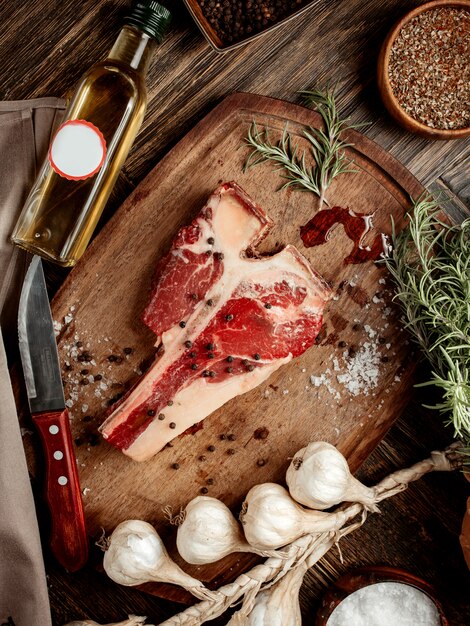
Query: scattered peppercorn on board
[347, 390]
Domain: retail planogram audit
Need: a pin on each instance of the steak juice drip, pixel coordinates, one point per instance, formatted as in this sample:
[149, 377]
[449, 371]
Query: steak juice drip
[89, 149]
[356, 226]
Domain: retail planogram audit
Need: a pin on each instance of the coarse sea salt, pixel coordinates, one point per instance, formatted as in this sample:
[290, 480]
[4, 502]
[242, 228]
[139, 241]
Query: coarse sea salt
[362, 370]
[386, 604]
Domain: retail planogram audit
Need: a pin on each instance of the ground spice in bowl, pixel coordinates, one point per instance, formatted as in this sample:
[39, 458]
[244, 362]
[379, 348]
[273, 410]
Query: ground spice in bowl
[429, 68]
[236, 20]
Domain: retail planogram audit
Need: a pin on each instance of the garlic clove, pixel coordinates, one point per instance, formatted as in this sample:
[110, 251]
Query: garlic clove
[272, 519]
[208, 532]
[133, 620]
[135, 554]
[319, 478]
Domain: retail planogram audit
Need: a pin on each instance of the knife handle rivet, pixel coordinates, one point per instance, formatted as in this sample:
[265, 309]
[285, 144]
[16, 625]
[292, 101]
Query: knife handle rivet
[53, 429]
[62, 480]
[58, 455]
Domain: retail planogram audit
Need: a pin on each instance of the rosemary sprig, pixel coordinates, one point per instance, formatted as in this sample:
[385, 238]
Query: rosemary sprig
[326, 149]
[430, 264]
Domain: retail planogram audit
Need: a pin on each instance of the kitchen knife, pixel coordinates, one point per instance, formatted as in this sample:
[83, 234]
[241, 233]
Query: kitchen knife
[41, 368]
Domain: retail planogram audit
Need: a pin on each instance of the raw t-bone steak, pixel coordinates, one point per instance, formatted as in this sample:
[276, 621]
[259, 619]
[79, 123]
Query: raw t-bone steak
[224, 319]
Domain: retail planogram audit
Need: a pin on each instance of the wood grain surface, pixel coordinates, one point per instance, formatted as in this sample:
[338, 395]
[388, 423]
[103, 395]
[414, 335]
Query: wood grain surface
[44, 48]
[98, 310]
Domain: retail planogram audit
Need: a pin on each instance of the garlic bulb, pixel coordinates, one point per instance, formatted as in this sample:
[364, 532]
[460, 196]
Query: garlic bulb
[319, 477]
[276, 606]
[272, 519]
[132, 621]
[209, 532]
[135, 554]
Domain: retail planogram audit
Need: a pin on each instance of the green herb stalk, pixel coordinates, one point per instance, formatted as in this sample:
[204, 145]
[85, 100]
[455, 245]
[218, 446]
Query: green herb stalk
[430, 263]
[326, 149]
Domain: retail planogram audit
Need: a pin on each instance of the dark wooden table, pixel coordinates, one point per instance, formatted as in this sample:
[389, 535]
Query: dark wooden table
[44, 48]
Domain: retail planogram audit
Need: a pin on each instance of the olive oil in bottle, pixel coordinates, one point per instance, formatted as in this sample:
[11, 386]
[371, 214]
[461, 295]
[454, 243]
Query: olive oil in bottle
[90, 147]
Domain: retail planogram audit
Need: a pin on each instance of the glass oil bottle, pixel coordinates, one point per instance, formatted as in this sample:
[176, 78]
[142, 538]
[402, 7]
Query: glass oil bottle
[89, 149]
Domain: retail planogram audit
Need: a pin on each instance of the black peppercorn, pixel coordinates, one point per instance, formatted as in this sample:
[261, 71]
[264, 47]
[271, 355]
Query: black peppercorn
[210, 346]
[205, 374]
[151, 413]
[170, 403]
[98, 377]
[230, 359]
[212, 374]
[230, 451]
[223, 437]
[231, 437]
[250, 367]
[127, 350]
[182, 324]
[204, 490]
[256, 357]
[210, 302]
[84, 372]
[341, 344]
[161, 416]
[268, 306]
[229, 317]
[111, 358]
[193, 355]
[210, 481]
[229, 370]
[210, 241]
[175, 466]
[188, 344]
[172, 425]
[219, 256]
[79, 344]
[194, 366]
[211, 448]
[202, 458]
[210, 355]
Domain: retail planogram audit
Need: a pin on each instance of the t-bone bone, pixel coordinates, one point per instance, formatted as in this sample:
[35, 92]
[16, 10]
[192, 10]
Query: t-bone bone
[225, 320]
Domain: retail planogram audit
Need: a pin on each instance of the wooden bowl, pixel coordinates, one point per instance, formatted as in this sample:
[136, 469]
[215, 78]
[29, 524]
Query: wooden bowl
[385, 88]
[365, 576]
[221, 46]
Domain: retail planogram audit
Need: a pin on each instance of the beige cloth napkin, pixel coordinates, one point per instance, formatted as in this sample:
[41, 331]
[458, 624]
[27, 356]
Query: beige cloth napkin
[25, 131]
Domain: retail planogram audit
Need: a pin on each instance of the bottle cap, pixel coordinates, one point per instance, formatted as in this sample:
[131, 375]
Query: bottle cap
[151, 17]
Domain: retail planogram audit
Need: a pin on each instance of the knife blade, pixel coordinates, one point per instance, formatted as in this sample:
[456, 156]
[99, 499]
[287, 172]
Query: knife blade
[41, 369]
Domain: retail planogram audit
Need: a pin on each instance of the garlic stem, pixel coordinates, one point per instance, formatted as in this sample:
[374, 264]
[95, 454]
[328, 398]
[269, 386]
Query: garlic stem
[319, 478]
[133, 620]
[276, 606]
[208, 532]
[272, 519]
[136, 555]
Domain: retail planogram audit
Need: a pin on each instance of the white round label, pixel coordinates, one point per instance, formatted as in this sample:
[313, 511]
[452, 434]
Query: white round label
[78, 150]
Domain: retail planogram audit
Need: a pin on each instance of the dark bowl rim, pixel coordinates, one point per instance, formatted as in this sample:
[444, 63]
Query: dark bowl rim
[206, 31]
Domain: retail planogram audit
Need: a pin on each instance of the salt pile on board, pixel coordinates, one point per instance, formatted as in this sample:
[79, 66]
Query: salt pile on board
[386, 604]
[362, 369]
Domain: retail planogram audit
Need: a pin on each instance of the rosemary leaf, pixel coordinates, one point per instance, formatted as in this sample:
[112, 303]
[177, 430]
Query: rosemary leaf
[430, 264]
[326, 149]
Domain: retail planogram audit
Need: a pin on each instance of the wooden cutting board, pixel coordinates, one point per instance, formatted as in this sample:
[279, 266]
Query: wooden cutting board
[98, 310]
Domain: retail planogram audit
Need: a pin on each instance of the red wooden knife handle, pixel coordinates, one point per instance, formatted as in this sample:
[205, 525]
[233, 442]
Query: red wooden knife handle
[69, 541]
